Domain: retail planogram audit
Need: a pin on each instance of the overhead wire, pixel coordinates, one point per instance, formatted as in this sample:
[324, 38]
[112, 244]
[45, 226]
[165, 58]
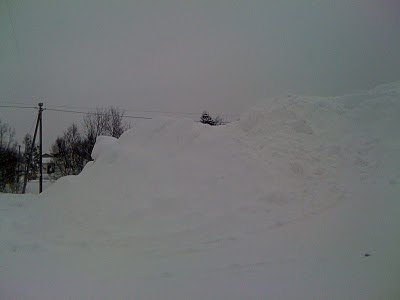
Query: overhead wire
[93, 113]
[18, 106]
[123, 108]
[140, 111]
[84, 112]
[176, 112]
[14, 103]
[49, 108]
[33, 124]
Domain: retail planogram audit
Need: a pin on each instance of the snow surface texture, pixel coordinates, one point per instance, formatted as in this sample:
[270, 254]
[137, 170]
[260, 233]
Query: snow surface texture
[32, 186]
[296, 200]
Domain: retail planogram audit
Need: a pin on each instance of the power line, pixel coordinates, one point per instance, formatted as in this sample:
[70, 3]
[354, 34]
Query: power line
[142, 111]
[17, 106]
[67, 107]
[30, 130]
[93, 113]
[73, 107]
[135, 117]
[71, 111]
[14, 103]
[176, 112]
[68, 111]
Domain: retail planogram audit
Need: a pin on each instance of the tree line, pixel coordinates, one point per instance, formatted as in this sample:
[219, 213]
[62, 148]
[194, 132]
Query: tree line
[73, 149]
[70, 151]
[12, 161]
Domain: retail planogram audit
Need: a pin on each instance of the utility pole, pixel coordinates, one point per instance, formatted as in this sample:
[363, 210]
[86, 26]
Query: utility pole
[18, 170]
[41, 147]
[39, 121]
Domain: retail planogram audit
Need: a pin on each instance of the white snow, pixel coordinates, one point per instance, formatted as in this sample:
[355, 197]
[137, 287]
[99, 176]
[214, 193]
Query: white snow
[283, 204]
[32, 186]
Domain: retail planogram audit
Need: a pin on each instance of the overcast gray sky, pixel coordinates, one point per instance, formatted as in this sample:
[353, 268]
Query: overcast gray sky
[167, 55]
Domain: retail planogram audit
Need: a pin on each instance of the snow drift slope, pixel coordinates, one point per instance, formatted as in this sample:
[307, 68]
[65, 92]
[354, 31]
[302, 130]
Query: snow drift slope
[171, 176]
[271, 167]
[202, 201]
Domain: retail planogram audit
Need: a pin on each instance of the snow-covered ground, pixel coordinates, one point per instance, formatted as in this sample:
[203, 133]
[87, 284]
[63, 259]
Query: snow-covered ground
[297, 200]
[33, 186]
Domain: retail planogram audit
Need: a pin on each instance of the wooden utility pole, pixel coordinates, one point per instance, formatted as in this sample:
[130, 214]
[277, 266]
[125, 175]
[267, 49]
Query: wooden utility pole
[18, 170]
[41, 148]
[39, 121]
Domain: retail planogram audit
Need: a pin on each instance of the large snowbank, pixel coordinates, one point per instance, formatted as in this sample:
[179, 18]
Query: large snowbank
[212, 198]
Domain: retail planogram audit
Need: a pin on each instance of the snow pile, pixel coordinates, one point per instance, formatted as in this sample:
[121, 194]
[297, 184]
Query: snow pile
[172, 176]
[270, 168]
[206, 199]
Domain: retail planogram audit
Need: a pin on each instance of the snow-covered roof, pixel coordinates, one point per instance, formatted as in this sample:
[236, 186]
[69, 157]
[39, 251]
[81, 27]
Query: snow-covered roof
[47, 160]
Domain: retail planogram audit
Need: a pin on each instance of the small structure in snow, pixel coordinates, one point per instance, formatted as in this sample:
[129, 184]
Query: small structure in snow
[48, 165]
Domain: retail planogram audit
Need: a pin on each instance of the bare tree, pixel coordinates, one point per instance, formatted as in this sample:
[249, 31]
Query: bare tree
[7, 135]
[69, 153]
[218, 120]
[95, 124]
[104, 121]
[34, 165]
[117, 125]
[8, 169]
[8, 158]
[72, 150]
